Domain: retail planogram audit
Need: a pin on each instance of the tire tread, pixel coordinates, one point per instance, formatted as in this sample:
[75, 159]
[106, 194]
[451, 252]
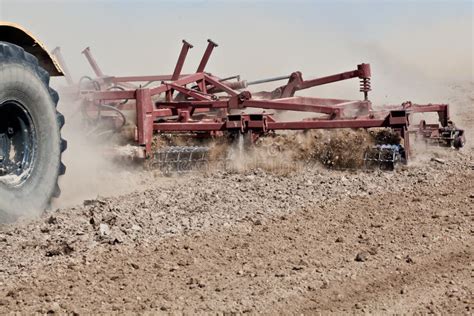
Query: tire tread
[13, 53]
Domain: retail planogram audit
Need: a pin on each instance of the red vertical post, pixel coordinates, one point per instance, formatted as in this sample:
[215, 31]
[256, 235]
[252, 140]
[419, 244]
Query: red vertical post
[202, 85]
[203, 63]
[406, 142]
[169, 95]
[98, 72]
[181, 59]
[144, 119]
[207, 54]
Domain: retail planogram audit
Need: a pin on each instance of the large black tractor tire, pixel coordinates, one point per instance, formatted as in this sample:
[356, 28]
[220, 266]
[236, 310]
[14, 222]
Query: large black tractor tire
[30, 135]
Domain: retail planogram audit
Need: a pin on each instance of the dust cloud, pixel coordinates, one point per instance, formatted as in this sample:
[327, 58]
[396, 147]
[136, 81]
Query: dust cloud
[93, 168]
[418, 52]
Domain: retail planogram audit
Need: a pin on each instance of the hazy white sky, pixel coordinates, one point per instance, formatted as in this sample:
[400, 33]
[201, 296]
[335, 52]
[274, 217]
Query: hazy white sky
[410, 44]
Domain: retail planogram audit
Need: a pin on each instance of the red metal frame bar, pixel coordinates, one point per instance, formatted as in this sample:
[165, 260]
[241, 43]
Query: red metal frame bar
[95, 67]
[219, 85]
[207, 54]
[144, 118]
[296, 82]
[141, 78]
[291, 106]
[182, 57]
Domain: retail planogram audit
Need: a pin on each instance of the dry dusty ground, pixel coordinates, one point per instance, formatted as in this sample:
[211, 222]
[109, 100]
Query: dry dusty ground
[309, 242]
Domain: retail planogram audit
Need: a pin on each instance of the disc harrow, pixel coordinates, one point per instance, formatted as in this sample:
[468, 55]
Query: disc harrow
[180, 159]
[206, 106]
[385, 157]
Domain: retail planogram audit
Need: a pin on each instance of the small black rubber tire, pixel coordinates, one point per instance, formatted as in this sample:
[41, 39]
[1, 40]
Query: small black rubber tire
[459, 141]
[24, 81]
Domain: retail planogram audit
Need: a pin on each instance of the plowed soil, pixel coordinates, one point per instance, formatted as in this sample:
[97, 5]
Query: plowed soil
[307, 241]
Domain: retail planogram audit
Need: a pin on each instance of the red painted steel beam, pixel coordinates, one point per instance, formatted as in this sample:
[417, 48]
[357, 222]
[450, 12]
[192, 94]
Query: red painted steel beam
[219, 85]
[87, 52]
[290, 125]
[290, 106]
[419, 108]
[144, 119]
[323, 124]
[182, 57]
[181, 82]
[314, 100]
[112, 95]
[189, 127]
[351, 103]
[329, 79]
[141, 78]
[296, 81]
[191, 93]
[207, 54]
[441, 109]
[195, 104]
[162, 112]
[423, 108]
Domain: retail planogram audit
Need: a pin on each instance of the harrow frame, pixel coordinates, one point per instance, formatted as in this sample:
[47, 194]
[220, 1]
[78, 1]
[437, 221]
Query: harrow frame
[209, 105]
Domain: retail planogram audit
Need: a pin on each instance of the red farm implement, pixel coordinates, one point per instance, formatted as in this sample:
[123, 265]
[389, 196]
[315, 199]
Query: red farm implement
[203, 105]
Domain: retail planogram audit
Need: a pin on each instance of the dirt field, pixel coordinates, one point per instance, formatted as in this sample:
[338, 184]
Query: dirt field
[307, 242]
